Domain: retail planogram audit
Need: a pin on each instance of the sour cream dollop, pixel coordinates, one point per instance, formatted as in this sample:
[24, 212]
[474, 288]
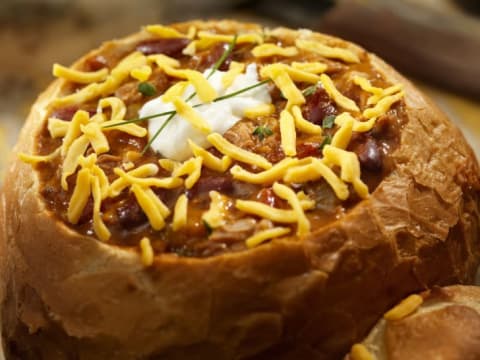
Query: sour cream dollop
[221, 116]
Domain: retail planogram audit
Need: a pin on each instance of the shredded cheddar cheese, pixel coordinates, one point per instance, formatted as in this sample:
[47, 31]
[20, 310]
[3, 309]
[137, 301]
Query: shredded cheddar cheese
[80, 196]
[96, 137]
[203, 88]
[275, 173]
[310, 67]
[174, 91]
[302, 124]
[265, 211]
[284, 192]
[70, 163]
[265, 235]
[151, 205]
[350, 167]
[405, 308]
[358, 126]
[164, 183]
[111, 83]
[164, 31]
[210, 160]
[57, 128]
[169, 165]
[237, 153]
[81, 117]
[234, 70]
[163, 60]
[191, 115]
[37, 159]
[314, 171]
[142, 73]
[180, 213]
[372, 100]
[266, 50]
[337, 96]
[192, 168]
[98, 225]
[360, 352]
[366, 85]
[327, 51]
[342, 137]
[284, 82]
[77, 76]
[288, 133]
[383, 106]
[121, 183]
[216, 214]
[260, 110]
[294, 73]
[147, 253]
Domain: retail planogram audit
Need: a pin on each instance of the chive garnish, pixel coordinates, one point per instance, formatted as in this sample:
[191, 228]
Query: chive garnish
[220, 98]
[262, 132]
[241, 91]
[147, 89]
[328, 121]
[224, 56]
[310, 90]
[152, 139]
[217, 64]
[327, 140]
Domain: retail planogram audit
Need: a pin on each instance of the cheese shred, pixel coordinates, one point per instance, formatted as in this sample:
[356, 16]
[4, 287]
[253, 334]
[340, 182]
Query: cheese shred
[146, 251]
[180, 213]
[266, 235]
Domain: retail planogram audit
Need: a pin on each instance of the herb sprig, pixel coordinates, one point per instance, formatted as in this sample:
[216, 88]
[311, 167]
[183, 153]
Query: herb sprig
[328, 121]
[262, 132]
[310, 90]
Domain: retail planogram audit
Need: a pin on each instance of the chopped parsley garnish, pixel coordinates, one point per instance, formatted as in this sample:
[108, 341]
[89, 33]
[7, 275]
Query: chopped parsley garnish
[328, 121]
[262, 132]
[309, 90]
[147, 89]
[327, 140]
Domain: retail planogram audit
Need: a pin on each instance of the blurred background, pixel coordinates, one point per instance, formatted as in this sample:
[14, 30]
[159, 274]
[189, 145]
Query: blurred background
[436, 43]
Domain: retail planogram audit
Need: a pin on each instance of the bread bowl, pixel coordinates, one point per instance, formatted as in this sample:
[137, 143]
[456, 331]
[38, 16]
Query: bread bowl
[271, 260]
[441, 323]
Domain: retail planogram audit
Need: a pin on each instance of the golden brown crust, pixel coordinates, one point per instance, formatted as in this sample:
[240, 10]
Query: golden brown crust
[446, 327]
[302, 299]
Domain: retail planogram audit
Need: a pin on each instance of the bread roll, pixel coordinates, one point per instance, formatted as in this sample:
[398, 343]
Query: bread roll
[338, 190]
[445, 325]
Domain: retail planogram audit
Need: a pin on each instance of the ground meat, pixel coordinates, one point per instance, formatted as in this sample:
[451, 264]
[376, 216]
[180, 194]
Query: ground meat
[241, 135]
[129, 93]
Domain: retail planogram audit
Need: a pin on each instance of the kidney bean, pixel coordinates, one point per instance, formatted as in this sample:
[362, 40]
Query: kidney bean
[370, 155]
[217, 182]
[130, 214]
[318, 106]
[169, 47]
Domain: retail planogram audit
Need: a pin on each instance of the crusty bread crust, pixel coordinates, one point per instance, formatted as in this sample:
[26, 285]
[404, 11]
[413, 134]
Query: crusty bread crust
[446, 326]
[308, 299]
